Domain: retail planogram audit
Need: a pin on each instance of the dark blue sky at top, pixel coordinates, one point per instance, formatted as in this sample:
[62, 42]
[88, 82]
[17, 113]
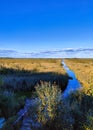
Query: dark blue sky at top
[33, 25]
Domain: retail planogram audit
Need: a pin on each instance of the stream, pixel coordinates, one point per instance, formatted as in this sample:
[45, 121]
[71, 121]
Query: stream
[73, 83]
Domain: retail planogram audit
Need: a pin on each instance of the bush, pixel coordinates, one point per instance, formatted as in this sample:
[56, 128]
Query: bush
[52, 111]
[49, 96]
[81, 107]
[9, 104]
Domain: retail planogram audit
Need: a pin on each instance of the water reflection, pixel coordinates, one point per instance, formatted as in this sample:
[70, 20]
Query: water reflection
[2, 121]
[73, 83]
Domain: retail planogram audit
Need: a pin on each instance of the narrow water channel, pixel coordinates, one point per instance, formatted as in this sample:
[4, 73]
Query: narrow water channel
[73, 83]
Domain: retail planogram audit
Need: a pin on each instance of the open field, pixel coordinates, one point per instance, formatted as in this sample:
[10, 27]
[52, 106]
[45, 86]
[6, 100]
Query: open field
[24, 74]
[83, 69]
[31, 65]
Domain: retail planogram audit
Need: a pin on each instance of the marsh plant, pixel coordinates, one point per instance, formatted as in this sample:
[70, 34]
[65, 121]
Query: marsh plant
[52, 112]
[55, 113]
[81, 109]
[49, 96]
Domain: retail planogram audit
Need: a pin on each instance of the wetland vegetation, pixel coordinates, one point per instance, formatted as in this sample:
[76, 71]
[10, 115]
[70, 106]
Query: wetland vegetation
[42, 82]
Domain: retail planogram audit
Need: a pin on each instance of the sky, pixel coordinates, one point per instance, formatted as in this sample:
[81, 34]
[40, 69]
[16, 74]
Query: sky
[46, 28]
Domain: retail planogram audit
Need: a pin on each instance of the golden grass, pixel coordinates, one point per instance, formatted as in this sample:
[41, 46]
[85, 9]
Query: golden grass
[83, 69]
[38, 65]
[24, 74]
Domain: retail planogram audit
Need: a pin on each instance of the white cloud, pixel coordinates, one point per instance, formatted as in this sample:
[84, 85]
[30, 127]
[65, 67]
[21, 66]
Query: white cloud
[62, 53]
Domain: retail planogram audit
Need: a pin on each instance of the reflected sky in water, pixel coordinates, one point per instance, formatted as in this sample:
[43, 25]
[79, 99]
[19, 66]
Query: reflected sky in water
[2, 120]
[73, 84]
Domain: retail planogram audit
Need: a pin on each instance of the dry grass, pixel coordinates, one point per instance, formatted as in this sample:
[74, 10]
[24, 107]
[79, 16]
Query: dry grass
[35, 65]
[83, 69]
[24, 74]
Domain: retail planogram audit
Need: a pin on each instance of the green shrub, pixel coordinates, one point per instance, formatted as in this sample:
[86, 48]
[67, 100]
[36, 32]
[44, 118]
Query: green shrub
[52, 111]
[49, 96]
[10, 104]
[81, 107]
[1, 83]
[89, 121]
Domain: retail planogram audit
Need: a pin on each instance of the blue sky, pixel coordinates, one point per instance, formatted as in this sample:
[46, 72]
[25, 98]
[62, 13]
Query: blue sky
[37, 26]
